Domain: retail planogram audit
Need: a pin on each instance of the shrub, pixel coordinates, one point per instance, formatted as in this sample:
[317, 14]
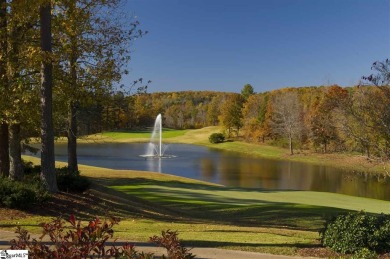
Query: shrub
[356, 232]
[75, 241]
[21, 195]
[30, 168]
[216, 138]
[71, 181]
[170, 241]
[364, 254]
[71, 240]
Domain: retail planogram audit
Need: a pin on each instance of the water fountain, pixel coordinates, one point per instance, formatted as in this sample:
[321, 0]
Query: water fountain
[155, 147]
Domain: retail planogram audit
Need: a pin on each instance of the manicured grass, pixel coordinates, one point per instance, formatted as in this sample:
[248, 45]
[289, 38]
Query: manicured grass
[205, 214]
[120, 135]
[266, 240]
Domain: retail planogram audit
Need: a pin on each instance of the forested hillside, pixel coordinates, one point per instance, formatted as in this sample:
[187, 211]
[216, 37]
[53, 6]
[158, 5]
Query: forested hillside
[323, 119]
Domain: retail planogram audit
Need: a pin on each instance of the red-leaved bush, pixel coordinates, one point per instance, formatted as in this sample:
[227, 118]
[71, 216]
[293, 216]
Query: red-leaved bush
[75, 241]
[170, 241]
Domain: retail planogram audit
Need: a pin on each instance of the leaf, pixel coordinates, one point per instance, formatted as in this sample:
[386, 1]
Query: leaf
[72, 220]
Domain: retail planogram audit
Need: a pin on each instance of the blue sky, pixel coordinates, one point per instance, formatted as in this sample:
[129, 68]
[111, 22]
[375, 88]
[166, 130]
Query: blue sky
[221, 45]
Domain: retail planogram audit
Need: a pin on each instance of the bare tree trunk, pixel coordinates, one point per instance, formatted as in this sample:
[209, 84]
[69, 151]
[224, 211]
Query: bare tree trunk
[15, 153]
[72, 138]
[4, 151]
[72, 107]
[47, 134]
[291, 145]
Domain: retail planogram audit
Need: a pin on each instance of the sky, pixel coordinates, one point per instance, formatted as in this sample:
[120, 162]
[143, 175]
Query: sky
[221, 45]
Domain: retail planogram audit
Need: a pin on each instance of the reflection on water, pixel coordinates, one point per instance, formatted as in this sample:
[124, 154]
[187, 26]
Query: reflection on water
[232, 169]
[153, 164]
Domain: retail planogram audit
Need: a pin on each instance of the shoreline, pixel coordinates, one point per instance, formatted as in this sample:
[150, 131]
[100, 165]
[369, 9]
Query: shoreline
[352, 163]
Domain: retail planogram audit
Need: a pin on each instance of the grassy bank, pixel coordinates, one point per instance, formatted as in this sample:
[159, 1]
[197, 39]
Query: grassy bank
[279, 222]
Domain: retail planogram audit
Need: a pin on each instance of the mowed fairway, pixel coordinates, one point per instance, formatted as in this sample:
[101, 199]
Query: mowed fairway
[280, 222]
[132, 136]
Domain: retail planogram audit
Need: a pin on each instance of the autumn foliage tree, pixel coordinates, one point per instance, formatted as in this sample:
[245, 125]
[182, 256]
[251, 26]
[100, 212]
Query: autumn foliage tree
[322, 117]
[231, 114]
[381, 101]
[254, 117]
[287, 117]
[93, 49]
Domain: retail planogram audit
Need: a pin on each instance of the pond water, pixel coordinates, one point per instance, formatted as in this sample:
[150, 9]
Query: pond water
[231, 169]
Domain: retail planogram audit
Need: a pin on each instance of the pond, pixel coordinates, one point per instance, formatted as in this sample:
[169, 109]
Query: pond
[231, 169]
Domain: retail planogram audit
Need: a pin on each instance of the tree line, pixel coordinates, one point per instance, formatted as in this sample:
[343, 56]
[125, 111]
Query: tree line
[56, 57]
[60, 63]
[324, 119]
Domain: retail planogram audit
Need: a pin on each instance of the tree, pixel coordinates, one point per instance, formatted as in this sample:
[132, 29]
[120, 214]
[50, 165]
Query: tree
[231, 114]
[47, 134]
[381, 80]
[251, 117]
[247, 91]
[4, 154]
[18, 81]
[287, 117]
[18, 92]
[94, 48]
[213, 111]
[322, 117]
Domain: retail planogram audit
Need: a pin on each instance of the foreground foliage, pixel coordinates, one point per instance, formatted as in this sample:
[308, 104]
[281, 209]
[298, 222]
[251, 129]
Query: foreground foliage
[21, 195]
[170, 241]
[357, 233]
[71, 181]
[71, 240]
[30, 191]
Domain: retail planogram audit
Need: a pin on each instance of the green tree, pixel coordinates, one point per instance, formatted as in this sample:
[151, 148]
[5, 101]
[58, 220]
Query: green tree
[247, 91]
[4, 154]
[94, 48]
[19, 81]
[18, 91]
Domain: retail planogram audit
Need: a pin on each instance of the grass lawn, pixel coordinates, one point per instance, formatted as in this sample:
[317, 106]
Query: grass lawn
[279, 222]
[205, 214]
[132, 135]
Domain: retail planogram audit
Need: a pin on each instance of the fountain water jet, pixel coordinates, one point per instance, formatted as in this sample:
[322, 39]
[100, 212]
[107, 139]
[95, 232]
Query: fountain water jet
[155, 147]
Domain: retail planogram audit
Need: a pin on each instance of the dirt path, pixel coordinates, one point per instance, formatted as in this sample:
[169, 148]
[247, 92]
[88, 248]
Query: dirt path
[200, 252]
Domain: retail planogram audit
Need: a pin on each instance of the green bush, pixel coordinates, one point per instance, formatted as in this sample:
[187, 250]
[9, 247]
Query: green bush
[71, 181]
[356, 232]
[364, 254]
[216, 138]
[21, 195]
[30, 168]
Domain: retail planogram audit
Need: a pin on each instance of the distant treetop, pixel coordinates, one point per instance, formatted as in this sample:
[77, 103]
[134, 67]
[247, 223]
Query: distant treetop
[247, 90]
